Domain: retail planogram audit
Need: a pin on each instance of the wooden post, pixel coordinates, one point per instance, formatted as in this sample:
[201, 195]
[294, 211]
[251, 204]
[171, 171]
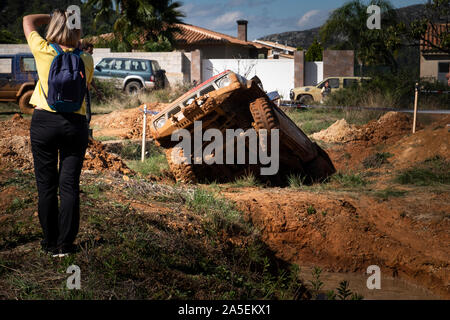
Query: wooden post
[144, 129]
[416, 100]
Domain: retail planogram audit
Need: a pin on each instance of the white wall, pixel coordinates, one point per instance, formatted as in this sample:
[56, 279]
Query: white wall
[274, 74]
[313, 73]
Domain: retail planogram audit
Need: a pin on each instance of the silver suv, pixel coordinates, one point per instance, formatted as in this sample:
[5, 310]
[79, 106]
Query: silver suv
[131, 74]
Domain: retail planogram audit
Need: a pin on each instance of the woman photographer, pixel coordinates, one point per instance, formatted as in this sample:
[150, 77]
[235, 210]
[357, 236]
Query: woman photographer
[59, 130]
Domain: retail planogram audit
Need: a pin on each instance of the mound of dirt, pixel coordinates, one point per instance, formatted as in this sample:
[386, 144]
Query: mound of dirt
[423, 145]
[128, 120]
[15, 152]
[391, 125]
[340, 131]
[15, 149]
[98, 159]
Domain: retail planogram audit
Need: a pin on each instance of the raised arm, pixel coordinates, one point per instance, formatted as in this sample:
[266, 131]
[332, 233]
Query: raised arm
[33, 21]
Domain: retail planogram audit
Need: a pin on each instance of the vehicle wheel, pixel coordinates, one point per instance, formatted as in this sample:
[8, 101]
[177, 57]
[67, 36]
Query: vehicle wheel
[133, 87]
[305, 99]
[183, 172]
[24, 103]
[263, 114]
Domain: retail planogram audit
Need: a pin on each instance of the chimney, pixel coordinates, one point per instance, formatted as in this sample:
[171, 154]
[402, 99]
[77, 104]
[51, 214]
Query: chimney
[242, 30]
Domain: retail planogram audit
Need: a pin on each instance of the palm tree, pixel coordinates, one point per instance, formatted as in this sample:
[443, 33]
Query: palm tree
[347, 29]
[141, 21]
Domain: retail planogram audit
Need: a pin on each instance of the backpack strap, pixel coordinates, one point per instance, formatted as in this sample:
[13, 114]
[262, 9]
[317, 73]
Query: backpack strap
[57, 48]
[40, 83]
[59, 51]
[77, 52]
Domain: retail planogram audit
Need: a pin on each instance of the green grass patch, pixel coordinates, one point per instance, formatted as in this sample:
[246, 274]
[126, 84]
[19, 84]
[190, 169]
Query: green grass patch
[154, 165]
[221, 214]
[433, 171]
[21, 180]
[248, 180]
[105, 138]
[389, 193]
[349, 180]
[19, 204]
[296, 181]
[314, 120]
[311, 210]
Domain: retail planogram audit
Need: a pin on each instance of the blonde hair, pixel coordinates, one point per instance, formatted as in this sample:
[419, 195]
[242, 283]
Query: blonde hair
[58, 31]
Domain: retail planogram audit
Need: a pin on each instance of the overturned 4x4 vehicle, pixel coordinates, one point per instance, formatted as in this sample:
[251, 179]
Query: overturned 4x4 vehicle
[228, 127]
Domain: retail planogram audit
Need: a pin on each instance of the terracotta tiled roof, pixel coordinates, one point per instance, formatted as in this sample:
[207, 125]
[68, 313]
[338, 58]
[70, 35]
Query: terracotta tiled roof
[433, 37]
[195, 35]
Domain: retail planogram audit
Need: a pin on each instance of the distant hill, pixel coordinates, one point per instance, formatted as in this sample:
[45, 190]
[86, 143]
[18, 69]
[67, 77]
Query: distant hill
[306, 37]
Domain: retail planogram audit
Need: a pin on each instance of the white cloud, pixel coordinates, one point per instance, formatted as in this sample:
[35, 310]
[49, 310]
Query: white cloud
[313, 18]
[306, 18]
[227, 20]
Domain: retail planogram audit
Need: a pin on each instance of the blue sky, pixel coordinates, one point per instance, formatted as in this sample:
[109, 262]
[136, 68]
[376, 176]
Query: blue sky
[264, 16]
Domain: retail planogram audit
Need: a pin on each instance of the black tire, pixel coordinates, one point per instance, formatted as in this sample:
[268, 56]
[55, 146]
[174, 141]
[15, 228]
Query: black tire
[306, 99]
[182, 172]
[133, 87]
[24, 103]
[263, 115]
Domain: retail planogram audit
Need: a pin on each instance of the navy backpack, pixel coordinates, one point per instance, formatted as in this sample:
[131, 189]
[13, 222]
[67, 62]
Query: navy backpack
[66, 81]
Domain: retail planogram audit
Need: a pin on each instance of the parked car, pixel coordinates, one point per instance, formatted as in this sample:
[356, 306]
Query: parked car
[309, 94]
[18, 77]
[131, 75]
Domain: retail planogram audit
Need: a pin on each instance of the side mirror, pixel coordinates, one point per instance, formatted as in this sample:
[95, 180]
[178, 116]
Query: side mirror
[98, 68]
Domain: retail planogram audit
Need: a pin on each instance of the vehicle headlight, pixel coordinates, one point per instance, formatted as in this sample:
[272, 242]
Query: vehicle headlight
[291, 94]
[224, 82]
[307, 89]
[159, 123]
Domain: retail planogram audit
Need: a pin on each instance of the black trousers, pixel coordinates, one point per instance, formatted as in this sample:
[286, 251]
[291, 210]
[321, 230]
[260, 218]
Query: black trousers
[63, 136]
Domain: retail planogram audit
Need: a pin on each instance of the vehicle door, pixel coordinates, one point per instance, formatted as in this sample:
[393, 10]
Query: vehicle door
[334, 84]
[7, 80]
[140, 68]
[118, 69]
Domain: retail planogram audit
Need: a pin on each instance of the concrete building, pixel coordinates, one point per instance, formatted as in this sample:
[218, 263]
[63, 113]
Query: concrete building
[434, 64]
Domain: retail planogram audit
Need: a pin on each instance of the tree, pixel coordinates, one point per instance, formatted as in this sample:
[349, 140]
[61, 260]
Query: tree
[315, 52]
[141, 21]
[434, 22]
[7, 37]
[347, 26]
[12, 12]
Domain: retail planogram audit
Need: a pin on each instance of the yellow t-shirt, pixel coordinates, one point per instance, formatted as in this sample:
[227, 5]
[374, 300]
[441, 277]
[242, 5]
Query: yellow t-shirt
[44, 54]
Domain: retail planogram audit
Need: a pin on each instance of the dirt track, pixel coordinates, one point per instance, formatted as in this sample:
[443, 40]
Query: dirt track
[341, 231]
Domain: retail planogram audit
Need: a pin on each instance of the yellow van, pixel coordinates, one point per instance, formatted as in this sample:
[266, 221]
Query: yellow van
[308, 94]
